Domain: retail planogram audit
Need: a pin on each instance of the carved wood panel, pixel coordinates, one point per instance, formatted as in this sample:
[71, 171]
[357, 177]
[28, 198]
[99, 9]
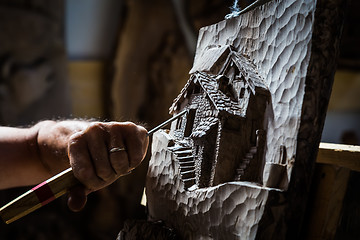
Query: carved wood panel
[294, 46]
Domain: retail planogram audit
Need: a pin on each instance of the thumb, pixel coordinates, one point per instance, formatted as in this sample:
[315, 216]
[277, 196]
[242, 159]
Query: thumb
[77, 197]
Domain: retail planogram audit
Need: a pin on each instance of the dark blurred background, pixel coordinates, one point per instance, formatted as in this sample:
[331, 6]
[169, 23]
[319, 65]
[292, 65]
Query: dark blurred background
[121, 60]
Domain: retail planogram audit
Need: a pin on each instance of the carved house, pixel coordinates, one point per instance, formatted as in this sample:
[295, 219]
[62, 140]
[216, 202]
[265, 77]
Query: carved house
[221, 138]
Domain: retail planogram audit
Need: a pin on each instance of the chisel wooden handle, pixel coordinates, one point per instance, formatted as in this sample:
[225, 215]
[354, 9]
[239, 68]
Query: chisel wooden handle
[38, 196]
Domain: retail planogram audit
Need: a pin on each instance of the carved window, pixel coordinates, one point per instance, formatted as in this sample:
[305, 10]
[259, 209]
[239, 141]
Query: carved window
[226, 87]
[283, 154]
[242, 92]
[189, 122]
[196, 89]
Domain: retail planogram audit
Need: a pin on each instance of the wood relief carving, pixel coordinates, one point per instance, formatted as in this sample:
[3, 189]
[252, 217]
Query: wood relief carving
[221, 138]
[225, 168]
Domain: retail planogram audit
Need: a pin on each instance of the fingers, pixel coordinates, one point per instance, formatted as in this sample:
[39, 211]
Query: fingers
[135, 141]
[97, 142]
[80, 161]
[119, 160]
[91, 160]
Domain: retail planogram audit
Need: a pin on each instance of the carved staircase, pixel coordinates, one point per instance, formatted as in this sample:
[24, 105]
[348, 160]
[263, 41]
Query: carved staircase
[187, 165]
[245, 163]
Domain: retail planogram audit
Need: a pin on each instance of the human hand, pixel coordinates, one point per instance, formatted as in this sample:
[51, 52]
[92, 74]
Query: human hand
[92, 162]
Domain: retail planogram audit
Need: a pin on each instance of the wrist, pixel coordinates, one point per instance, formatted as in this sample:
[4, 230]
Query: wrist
[43, 145]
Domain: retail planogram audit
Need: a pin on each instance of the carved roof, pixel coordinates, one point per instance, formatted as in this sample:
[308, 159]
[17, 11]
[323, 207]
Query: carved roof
[211, 59]
[181, 96]
[219, 59]
[248, 69]
[216, 60]
[219, 99]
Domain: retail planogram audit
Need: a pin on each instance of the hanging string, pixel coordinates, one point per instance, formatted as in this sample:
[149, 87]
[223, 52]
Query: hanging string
[251, 4]
[235, 10]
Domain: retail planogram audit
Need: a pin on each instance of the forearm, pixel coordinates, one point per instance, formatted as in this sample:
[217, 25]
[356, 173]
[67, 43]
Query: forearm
[19, 163]
[31, 155]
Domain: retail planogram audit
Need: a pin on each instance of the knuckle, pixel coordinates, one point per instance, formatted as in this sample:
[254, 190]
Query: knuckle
[115, 127]
[129, 128]
[95, 128]
[130, 124]
[142, 130]
[141, 134]
[75, 144]
[74, 138]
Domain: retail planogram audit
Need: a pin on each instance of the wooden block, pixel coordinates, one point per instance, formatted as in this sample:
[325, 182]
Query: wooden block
[347, 156]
